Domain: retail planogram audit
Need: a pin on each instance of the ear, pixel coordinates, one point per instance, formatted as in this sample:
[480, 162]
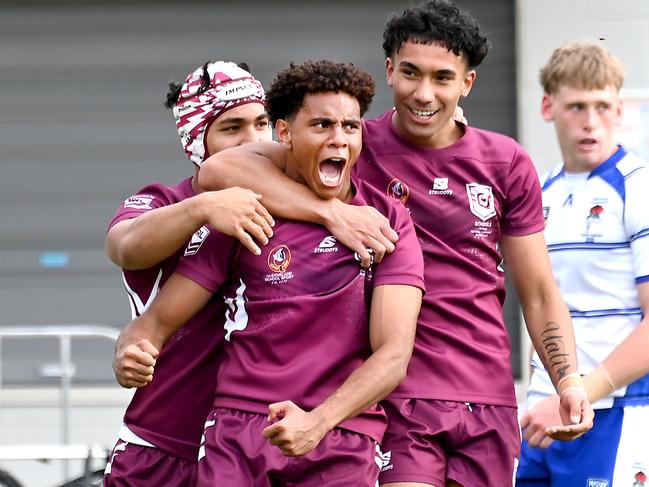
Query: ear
[467, 84]
[619, 112]
[283, 133]
[546, 107]
[389, 70]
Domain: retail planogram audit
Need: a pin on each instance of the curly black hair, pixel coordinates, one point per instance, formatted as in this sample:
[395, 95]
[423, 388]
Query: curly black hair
[437, 22]
[291, 86]
[174, 88]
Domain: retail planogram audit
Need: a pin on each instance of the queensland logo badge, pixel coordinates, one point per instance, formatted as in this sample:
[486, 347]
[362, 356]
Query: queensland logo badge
[481, 201]
[398, 190]
[279, 259]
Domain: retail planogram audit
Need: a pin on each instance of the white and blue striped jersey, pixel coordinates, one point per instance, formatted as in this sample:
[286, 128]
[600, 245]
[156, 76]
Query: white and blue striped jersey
[597, 231]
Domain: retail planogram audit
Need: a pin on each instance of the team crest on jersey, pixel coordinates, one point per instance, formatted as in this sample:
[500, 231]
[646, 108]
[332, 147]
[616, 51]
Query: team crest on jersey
[595, 212]
[481, 200]
[592, 221]
[197, 240]
[279, 259]
[398, 190]
[139, 201]
[597, 483]
[640, 479]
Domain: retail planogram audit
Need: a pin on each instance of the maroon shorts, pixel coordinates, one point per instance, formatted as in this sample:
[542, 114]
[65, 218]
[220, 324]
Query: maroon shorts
[237, 455]
[431, 441]
[142, 466]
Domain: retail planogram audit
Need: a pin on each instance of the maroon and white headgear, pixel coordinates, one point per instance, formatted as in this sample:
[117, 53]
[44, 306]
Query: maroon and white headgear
[200, 103]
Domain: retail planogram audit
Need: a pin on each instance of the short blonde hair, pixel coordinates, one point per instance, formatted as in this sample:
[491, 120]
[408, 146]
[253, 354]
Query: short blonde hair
[582, 65]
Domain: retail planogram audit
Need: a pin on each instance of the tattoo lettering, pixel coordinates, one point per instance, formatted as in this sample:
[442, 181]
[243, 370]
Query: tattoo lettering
[555, 349]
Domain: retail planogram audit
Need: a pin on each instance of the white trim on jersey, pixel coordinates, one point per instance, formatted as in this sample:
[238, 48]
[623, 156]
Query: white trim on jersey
[137, 306]
[125, 434]
[236, 316]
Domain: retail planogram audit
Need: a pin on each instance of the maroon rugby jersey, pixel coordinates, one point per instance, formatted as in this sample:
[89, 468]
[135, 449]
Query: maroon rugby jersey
[462, 199]
[297, 319]
[170, 412]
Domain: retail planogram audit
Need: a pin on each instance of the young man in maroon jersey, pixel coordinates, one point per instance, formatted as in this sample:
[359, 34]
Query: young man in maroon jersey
[146, 238]
[314, 340]
[475, 201]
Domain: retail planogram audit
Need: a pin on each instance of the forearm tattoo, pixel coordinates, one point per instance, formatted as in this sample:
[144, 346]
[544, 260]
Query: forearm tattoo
[555, 349]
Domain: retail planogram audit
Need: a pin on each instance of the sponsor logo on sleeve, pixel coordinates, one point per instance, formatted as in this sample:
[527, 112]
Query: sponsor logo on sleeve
[139, 202]
[481, 201]
[197, 240]
[597, 483]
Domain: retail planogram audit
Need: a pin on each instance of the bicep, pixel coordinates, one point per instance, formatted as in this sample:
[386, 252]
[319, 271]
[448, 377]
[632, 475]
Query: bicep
[393, 315]
[115, 238]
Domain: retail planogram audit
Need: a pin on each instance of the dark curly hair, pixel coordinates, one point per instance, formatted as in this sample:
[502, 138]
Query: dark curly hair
[437, 22]
[291, 86]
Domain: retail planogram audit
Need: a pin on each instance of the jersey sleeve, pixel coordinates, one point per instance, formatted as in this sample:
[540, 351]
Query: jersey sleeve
[636, 221]
[208, 258]
[406, 264]
[148, 198]
[523, 213]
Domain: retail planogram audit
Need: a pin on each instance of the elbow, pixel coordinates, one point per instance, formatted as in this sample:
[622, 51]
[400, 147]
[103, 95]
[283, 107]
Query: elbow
[212, 173]
[125, 255]
[398, 365]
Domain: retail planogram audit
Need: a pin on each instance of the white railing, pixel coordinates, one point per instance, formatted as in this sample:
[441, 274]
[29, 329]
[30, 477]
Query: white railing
[64, 334]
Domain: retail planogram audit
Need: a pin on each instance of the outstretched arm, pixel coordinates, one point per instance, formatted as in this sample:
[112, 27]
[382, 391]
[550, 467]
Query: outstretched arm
[550, 327]
[140, 342]
[148, 239]
[625, 364]
[260, 167]
[393, 321]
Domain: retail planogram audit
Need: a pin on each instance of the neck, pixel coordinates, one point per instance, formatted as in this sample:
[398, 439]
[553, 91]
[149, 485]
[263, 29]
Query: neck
[347, 192]
[577, 166]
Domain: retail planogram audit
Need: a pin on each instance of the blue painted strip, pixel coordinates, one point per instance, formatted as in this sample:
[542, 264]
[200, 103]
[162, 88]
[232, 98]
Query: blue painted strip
[54, 260]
